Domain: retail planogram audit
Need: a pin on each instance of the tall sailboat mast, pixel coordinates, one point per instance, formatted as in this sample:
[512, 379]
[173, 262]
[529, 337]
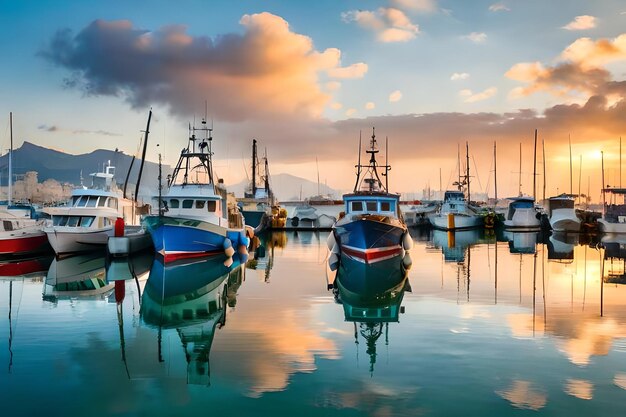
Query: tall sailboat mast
[467, 173]
[495, 172]
[10, 197]
[571, 188]
[253, 168]
[535, 169]
[520, 169]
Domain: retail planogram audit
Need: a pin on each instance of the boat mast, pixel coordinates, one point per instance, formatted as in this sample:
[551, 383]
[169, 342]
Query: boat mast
[520, 168]
[143, 156]
[603, 193]
[580, 172]
[543, 158]
[620, 162]
[254, 168]
[358, 166]
[571, 191]
[495, 171]
[318, 176]
[387, 163]
[467, 168]
[458, 161]
[267, 175]
[535, 169]
[10, 197]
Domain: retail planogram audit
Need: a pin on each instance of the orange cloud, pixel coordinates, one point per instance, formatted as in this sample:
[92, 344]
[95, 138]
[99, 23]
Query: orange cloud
[390, 24]
[581, 23]
[268, 71]
[594, 54]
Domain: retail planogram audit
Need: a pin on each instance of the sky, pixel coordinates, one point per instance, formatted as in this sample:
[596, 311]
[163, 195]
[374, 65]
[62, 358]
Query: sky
[307, 78]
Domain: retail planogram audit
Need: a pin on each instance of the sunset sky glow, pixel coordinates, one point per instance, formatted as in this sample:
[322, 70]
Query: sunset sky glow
[306, 78]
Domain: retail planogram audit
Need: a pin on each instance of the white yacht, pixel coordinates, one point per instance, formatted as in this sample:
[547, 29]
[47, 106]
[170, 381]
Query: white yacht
[88, 219]
[455, 213]
[562, 214]
[522, 214]
[614, 211]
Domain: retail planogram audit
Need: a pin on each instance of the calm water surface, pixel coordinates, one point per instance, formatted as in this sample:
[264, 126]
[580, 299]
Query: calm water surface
[478, 328]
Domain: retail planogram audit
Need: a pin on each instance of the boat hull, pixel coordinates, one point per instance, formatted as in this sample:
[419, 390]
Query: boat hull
[610, 227]
[253, 218]
[523, 220]
[564, 220]
[176, 238]
[369, 240]
[73, 240]
[28, 243]
[461, 222]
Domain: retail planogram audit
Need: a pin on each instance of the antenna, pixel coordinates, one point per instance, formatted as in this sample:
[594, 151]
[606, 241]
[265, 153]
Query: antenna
[387, 169]
[358, 165]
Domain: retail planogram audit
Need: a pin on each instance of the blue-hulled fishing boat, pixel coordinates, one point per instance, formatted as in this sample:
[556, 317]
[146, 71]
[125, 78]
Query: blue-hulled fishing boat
[194, 217]
[372, 228]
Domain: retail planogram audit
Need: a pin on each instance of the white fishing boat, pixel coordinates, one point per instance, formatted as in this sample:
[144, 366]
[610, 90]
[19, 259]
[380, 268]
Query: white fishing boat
[88, 219]
[417, 214]
[562, 214]
[613, 218]
[522, 214]
[455, 213]
[194, 217]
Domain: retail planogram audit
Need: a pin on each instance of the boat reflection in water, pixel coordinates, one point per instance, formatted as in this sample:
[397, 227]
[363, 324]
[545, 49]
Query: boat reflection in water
[261, 250]
[561, 246]
[521, 242]
[371, 295]
[454, 243]
[191, 298]
[78, 276]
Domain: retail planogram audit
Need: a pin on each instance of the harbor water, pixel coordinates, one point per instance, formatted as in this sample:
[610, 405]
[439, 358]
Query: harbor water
[486, 326]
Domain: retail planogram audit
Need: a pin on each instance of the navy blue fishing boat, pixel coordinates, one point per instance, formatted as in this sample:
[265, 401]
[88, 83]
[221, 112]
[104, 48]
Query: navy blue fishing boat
[372, 228]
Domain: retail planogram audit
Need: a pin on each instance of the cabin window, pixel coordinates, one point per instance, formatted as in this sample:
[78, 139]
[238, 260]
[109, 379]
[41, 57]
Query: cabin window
[372, 206]
[61, 221]
[112, 203]
[187, 204]
[73, 221]
[200, 204]
[93, 200]
[74, 200]
[102, 201]
[174, 203]
[83, 201]
[211, 206]
[356, 206]
[8, 226]
[385, 206]
[86, 221]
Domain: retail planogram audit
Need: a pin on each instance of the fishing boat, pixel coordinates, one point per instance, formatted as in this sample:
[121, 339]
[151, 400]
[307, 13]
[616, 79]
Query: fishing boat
[20, 229]
[613, 218]
[88, 219]
[194, 217]
[455, 212]
[522, 215]
[372, 228]
[417, 214]
[562, 214]
[256, 206]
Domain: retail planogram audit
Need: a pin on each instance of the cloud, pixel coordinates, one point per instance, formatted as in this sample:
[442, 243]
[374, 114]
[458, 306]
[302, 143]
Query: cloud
[483, 95]
[333, 85]
[499, 7]
[395, 96]
[55, 128]
[578, 75]
[427, 6]
[581, 23]
[459, 76]
[336, 106]
[389, 24]
[267, 71]
[370, 105]
[589, 53]
[476, 37]
[465, 92]
[357, 70]
[350, 112]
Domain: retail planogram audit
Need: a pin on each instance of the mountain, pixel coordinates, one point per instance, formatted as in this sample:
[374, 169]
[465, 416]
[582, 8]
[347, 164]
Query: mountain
[63, 167]
[287, 187]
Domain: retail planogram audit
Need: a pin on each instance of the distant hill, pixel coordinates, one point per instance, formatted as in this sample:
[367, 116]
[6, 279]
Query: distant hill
[65, 167]
[287, 187]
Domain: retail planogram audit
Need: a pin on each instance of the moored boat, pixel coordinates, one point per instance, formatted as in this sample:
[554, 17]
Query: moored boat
[522, 214]
[562, 214]
[455, 213]
[88, 219]
[372, 228]
[194, 217]
[613, 218]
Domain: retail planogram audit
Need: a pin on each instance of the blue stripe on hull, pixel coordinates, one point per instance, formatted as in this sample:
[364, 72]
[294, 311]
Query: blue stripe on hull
[368, 234]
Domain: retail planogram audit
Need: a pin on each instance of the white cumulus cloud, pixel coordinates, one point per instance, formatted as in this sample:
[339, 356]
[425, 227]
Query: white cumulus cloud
[499, 7]
[459, 76]
[483, 95]
[395, 96]
[581, 23]
[389, 24]
[476, 37]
